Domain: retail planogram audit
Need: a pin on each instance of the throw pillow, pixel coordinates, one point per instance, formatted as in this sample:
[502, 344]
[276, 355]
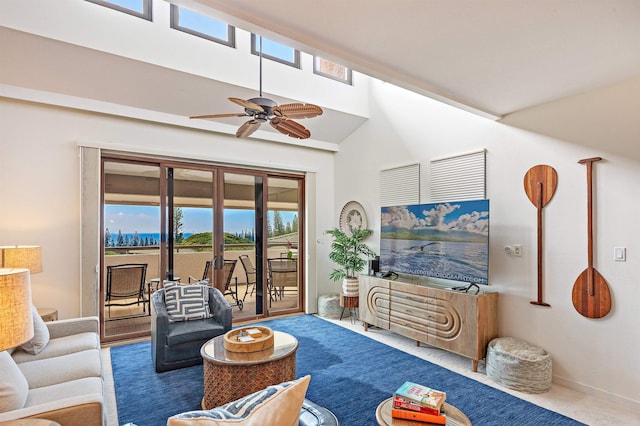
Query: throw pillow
[277, 405]
[13, 386]
[186, 302]
[40, 334]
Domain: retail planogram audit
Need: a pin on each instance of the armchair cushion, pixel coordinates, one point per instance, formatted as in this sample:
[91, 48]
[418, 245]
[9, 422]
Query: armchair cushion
[186, 302]
[14, 388]
[277, 405]
[189, 331]
[40, 335]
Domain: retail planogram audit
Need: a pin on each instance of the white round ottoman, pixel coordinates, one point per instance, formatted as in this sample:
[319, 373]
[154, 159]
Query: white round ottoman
[329, 306]
[519, 365]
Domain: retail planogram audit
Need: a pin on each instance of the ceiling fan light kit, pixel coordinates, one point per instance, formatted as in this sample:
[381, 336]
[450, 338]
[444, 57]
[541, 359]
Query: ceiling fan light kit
[262, 110]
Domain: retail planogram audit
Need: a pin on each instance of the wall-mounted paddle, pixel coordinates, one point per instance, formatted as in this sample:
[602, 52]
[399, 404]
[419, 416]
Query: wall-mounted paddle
[540, 183]
[591, 296]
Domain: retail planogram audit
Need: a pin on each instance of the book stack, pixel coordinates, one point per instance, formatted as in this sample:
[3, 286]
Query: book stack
[419, 403]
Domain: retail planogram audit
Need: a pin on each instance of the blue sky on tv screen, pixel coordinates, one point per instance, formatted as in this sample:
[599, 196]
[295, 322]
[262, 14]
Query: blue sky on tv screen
[450, 217]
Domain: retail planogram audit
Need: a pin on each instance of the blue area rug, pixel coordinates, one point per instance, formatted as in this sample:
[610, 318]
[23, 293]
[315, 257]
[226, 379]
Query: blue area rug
[350, 375]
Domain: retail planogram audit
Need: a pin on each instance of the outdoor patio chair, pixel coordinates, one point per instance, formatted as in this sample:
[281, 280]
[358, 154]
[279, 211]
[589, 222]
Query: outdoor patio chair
[224, 286]
[283, 276]
[125, 286]
[250, 274]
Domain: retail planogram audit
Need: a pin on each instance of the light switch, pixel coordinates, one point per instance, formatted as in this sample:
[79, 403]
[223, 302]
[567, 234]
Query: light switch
[620, 254]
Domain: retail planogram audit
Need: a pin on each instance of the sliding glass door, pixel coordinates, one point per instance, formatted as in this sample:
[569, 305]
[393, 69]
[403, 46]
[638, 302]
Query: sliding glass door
[131, 261]
[198, 222]
[285, 268]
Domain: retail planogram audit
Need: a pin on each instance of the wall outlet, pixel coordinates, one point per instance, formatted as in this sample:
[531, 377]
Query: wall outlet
[517, 249]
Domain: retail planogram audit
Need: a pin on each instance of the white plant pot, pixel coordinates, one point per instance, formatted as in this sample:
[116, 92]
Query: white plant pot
[350, 287]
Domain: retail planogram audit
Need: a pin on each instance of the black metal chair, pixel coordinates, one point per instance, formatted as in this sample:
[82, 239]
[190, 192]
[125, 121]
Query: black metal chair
[225, 285]
[126, 286]
[250, 274]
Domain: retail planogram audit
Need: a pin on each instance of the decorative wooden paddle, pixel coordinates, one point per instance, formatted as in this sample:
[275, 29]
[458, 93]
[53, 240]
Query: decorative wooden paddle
[540, 183]
[591, 296]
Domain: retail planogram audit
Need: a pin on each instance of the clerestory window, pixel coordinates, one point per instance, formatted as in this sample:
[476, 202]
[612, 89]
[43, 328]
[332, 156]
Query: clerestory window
[333, 70]
[275, 51]
[139, 8]
[194, 23]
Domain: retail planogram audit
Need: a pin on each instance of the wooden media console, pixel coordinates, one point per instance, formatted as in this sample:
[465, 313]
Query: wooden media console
[456, 321]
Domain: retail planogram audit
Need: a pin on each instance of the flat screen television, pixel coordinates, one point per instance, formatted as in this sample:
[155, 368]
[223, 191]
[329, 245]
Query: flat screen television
[448, 240]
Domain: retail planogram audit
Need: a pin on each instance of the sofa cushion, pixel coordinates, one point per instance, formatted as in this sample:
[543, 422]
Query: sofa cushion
[193, 331]
[40, 334]
[62, 369]
[186, 301]
[61, 346]
[13, 385]
[70, 389]
[277, 405]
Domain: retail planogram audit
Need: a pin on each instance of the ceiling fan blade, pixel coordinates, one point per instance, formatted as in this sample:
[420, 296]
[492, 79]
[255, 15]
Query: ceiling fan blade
[290, 128]
[247, 104]
[298, 110]
[220, 115]
[247, 128]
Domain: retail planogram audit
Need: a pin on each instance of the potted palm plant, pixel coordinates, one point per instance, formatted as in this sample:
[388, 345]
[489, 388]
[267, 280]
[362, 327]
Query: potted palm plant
[347, 252]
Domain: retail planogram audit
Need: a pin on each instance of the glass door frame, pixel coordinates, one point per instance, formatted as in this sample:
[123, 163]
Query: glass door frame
[166, 217]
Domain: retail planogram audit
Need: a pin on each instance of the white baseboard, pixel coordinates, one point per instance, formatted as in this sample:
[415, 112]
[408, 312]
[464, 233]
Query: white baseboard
[598, 393]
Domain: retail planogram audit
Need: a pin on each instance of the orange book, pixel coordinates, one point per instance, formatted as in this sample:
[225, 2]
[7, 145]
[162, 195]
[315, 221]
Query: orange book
[420, 417]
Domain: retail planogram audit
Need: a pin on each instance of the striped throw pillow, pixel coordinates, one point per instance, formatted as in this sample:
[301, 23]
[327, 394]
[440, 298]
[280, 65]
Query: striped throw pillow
[277, 405]
[186, 302]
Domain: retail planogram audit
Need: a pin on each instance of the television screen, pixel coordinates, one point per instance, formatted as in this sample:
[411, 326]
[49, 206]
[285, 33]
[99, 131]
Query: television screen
[447, 240]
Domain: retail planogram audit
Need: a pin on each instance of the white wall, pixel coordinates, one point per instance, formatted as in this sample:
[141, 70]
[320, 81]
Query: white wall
[592, 355]
[40, 184]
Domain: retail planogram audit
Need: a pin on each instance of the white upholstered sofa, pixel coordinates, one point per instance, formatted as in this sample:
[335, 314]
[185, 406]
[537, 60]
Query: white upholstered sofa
[62, 382]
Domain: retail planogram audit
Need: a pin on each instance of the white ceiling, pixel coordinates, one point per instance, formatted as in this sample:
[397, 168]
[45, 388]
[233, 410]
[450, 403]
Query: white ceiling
[493, 57]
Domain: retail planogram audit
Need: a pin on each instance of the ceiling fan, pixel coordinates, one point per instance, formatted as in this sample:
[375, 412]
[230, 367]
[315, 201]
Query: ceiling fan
[261, 110]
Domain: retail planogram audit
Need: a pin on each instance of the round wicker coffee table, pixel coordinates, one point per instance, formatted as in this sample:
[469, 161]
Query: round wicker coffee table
[232, 375]
[455, 417]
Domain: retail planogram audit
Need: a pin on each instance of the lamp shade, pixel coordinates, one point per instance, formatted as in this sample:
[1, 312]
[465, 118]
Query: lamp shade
[21, 257]
[16, 318]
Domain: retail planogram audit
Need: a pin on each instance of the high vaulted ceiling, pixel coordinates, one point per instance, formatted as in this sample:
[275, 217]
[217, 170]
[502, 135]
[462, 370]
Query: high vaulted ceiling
[493, 57]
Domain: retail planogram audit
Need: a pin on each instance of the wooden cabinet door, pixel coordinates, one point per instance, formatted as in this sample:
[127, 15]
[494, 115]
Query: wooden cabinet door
[374, 301]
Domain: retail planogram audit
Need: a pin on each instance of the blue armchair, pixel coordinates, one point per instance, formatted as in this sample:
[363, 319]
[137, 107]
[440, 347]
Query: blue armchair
[177, 344]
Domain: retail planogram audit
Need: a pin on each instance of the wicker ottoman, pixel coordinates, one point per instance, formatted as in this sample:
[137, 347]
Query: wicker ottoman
[519, 365]
[329, 306]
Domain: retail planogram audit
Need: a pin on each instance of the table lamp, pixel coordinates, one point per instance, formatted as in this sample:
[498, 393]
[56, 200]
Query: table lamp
[21, 257]
[16, 318]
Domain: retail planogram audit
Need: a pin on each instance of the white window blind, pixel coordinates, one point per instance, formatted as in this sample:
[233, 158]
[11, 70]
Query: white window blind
[400, 185]
[460, 177]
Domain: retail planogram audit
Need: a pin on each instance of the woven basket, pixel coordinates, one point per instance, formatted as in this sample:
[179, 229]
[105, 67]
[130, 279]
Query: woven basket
[519, 365]
[329, 306]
